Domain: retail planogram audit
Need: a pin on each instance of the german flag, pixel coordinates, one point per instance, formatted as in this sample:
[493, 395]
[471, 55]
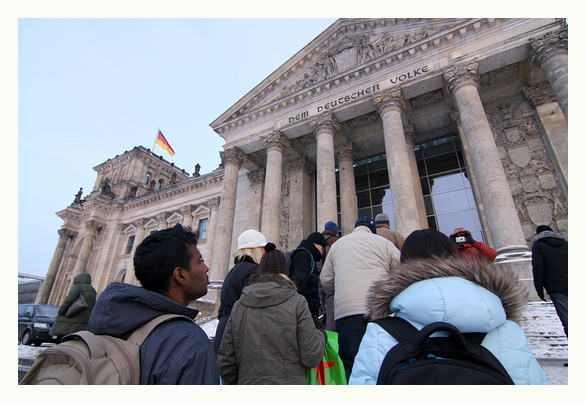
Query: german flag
[162, 141]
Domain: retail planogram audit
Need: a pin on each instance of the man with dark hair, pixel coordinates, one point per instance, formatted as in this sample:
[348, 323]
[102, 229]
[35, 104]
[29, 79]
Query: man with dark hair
[172, 273]
[355, 262]
[549, 259]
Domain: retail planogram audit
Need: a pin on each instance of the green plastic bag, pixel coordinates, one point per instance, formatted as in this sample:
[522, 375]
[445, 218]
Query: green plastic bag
[331, 369]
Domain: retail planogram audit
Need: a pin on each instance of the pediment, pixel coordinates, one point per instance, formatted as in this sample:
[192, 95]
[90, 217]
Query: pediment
[344, 47]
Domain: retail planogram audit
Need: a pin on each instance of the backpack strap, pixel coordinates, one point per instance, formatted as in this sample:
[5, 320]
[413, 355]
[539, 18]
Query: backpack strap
[95, 346]
[141, 333]
[397, 327]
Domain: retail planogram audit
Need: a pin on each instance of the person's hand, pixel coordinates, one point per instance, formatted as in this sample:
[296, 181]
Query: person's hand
[541, 296]
[317, 322]
[469, 239]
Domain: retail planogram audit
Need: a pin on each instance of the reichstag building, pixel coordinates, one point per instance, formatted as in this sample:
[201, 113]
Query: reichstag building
[439, 123]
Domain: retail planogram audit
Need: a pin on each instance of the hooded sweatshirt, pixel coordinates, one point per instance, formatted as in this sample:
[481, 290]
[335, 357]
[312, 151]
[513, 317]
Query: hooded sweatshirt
[177, 352]
[473, 296]
[270, 337]
[66, 325]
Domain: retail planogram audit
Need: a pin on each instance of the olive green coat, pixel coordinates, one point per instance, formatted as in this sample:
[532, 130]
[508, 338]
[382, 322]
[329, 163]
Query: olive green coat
[65, 325]
[270, 337]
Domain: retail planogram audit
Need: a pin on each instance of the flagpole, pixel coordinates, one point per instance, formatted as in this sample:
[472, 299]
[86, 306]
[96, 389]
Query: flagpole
[156, 135]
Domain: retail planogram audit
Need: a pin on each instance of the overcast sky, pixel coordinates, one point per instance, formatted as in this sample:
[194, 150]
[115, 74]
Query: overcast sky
[91, 89]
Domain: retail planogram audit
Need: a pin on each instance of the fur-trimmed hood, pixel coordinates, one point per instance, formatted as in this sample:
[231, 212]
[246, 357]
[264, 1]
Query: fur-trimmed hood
[556, 237]
[447, 295]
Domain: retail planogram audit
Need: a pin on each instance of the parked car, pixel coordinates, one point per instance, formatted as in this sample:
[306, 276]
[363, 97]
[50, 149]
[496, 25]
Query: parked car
[34, 323]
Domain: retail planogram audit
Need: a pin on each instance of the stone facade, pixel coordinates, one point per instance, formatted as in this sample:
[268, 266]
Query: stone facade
[361, 89]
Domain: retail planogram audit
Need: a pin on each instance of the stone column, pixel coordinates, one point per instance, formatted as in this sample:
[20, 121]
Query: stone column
[410, 140]
[457, 126]
[549, 52]
[389, 105]
[275, 143]
[232, 160]
[345, 155]
[64, 236]
[325, 126]
[130, 277]
[213, 204]
[499, 207]
[554, 128]
[187, 217]
[300, 170]
[91, 229]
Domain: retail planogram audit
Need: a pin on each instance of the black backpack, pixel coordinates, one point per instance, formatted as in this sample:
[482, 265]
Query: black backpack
[418, 359]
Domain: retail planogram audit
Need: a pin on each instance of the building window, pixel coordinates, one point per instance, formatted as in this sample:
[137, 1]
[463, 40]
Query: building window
[203, 228]
[130, 244]
[447, 192]
[160, 184]
[147, 178]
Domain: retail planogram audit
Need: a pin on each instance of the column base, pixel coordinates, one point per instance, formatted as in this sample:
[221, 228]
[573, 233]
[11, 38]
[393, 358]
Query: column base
[518, 259]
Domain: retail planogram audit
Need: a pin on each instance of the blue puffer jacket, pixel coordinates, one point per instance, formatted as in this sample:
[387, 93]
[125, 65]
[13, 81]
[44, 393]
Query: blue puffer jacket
[473, 296]
[177, 352]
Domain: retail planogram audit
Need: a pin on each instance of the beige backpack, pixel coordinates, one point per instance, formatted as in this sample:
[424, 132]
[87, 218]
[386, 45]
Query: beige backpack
[84, 358]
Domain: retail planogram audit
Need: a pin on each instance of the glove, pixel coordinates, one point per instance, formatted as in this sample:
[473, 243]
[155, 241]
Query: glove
[469, 239]
[541, 296]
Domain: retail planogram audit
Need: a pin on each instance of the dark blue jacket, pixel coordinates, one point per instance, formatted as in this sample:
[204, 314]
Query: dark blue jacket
[177, 352]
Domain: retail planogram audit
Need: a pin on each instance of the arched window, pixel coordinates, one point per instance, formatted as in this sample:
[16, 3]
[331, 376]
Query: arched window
[160, 184]
[147, 178]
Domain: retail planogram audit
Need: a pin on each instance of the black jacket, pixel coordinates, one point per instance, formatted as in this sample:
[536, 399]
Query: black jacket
[177, 352]
[550, 263]
[305, 274]
[234, 283]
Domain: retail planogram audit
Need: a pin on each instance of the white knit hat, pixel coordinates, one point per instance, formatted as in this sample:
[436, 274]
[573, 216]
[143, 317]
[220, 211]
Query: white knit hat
[251, 239]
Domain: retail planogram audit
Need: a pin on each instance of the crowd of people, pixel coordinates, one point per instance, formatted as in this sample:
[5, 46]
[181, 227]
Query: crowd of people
[275, 307]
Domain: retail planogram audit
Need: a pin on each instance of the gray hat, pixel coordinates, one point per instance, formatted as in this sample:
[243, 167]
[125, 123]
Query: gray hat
[381, 218]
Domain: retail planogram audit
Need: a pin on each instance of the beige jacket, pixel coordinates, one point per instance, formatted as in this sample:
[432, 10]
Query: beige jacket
[392, 236]
[354, 263]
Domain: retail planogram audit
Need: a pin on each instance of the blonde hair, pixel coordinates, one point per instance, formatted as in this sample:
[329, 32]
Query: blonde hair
[254, 253]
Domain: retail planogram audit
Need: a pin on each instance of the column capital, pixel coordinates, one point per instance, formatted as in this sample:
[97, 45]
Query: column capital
[462, 74]
[301, 163]
[540, 94]
[345, 152]
[233, 155]
[545, 46]
[214, 202]
[93, 225]
[410, 135]
[325, 121]
[185, 210]
[276, 140]
[65, 233]
[389, 99]
[256, 177]
[161, 217]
